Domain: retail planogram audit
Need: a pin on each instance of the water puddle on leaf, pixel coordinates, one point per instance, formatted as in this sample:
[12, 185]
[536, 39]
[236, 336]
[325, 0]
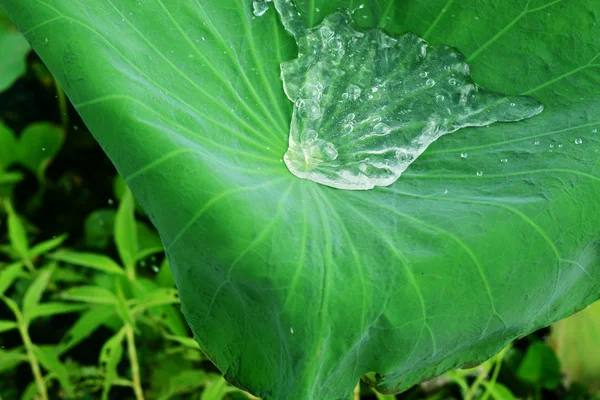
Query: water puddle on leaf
[367, 104]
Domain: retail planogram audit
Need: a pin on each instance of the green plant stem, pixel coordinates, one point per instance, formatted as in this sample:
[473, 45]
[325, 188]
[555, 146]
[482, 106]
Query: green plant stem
[35, 366]
[357, 392]
[62, 106]
[473, 389]
[488, 389]
[135, 366]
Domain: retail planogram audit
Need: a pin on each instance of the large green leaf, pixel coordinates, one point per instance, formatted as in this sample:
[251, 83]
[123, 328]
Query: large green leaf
[295, 289]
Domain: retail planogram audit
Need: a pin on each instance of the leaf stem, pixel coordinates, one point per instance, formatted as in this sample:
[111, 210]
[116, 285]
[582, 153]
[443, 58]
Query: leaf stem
[357, 392]
[35, 366]
[62, 106]
[495, 374]
[135, 366]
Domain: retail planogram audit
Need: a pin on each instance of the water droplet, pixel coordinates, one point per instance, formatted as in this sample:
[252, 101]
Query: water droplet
[311, 91]
[353, 92]
[363, 167]
[381, 129]
[260, 7]
[374, 89]
[309, 109]
[111, 202]
[578, 141]
[446, 191]
[43, 149]
[351, 116]
[326, 32]
[155, 269]
[348, 128]
[594, 130]
[330, 151]
[560, 145]
[308, 137]
[423, 74]
[537, 142]
[335, 43]
[479, 173]
[452, 81]
[504, 160]
[512, 104]
[464, 155]
[430, 83]
[291, 330]
[439, 98]
[203, 39]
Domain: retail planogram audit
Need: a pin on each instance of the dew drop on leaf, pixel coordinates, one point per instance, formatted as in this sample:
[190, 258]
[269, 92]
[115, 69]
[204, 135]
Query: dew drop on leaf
[370, 97]
[260, 7]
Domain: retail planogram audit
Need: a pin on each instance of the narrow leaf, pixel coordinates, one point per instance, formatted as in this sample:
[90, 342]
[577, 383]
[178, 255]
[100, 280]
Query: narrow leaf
[87, 323]
[90, 294]
[125, 230]
[48, 357]
[110, 356]
[53, 308]
[158, 297]
[34, 292]
[184, 341]
[46, 246]
[10, 359]
[215, 390]
[14, 307]
[8, 275]
[89, 260]
[17, 233]
[6, 326]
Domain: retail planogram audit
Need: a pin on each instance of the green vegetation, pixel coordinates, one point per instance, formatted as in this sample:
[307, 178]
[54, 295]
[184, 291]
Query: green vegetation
[292, 289]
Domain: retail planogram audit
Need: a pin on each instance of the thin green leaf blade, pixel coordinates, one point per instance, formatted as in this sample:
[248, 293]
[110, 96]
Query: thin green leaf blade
[47, 245]
[110, 357]
[126, 231]
[48, 357]
[10, 359]
[89, 260]
[87, 323]
[6, 326]
[8, 275]
[35, 291]
[53, 308]
[90, 294]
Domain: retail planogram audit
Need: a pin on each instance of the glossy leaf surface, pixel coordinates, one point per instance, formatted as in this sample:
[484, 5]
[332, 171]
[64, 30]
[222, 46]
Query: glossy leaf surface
[295, 289]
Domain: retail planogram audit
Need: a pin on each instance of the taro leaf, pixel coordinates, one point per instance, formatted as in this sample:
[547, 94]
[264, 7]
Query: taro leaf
[295, 289]
[14, 51]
